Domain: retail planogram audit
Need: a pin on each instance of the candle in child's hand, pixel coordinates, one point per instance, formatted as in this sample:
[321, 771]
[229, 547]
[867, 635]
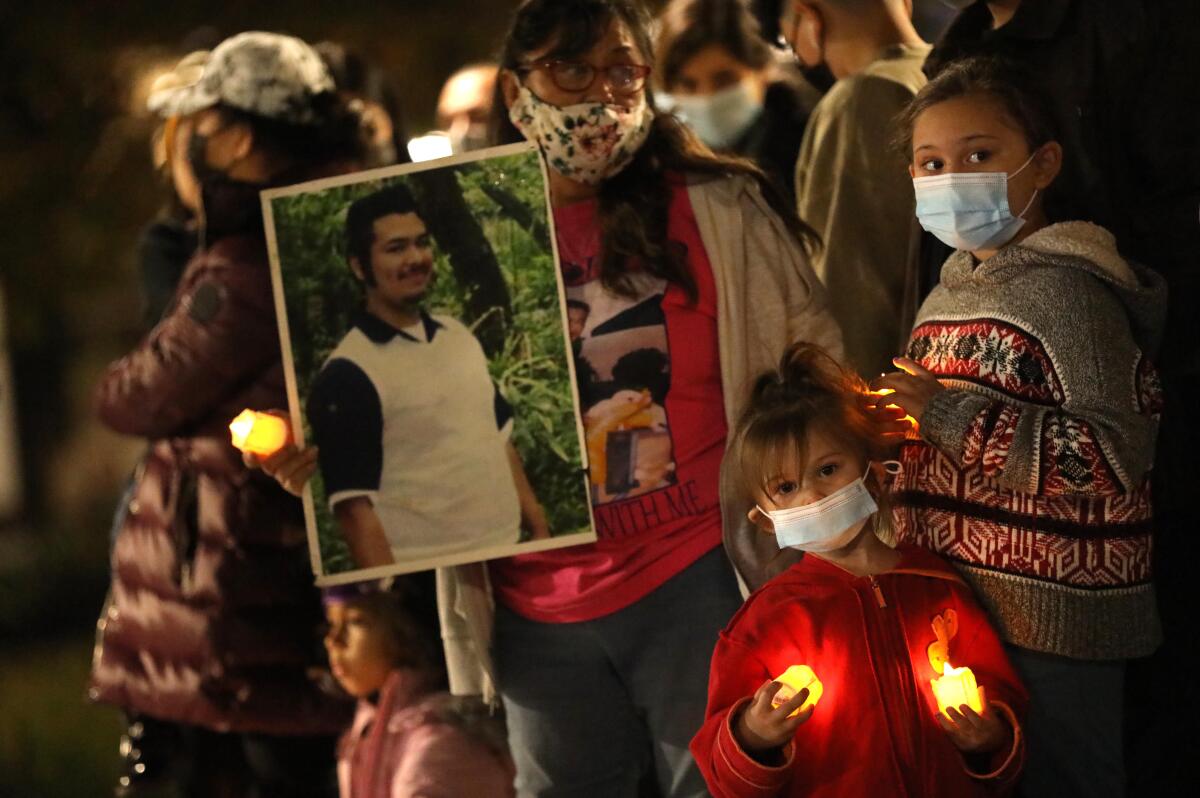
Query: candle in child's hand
[259, 433]
[955, 688]
[795, 679]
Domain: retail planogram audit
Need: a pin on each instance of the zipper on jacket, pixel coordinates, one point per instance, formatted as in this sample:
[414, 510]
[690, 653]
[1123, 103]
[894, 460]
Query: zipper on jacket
[894, 675]
[878, 593]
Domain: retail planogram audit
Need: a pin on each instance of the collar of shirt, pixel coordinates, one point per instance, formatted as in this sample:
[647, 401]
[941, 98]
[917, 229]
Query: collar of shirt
[894, 51]
[380, 332]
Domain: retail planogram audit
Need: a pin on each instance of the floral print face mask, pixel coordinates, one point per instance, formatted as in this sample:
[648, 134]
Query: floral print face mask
[586, 142]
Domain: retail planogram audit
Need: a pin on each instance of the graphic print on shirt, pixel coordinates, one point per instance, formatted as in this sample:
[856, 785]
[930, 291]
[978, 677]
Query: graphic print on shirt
[623, 366]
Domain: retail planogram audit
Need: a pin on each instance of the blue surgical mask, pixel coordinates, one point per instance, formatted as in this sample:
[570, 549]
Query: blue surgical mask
[969, 210]
[722, 118]
[825, 525]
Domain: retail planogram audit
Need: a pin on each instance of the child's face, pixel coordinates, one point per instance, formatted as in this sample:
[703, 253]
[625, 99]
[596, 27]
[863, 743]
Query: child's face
[361, 649]
[973, 134]
[829, 466]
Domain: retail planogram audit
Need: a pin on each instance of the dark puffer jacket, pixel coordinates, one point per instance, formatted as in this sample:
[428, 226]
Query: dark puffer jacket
[212, 618]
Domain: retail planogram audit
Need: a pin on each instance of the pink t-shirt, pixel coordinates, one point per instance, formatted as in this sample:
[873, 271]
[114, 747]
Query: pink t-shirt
[650, 385]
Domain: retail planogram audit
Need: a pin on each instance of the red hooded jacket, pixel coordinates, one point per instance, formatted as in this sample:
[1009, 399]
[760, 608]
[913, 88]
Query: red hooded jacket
[874, 731]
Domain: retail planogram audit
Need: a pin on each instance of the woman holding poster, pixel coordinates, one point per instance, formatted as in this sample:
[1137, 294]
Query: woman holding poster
[685, 275]
[694, 275]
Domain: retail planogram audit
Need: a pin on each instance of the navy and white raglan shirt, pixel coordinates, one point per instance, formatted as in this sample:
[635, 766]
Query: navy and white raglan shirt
[412, 420]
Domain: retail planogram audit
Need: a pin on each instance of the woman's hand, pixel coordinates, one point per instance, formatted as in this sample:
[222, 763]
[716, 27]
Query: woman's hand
[972, 732]
[761, 727]
[912, 387]
[290, 467]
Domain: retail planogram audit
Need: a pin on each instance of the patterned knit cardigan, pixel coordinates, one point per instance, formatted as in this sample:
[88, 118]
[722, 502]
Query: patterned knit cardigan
[1031, 470]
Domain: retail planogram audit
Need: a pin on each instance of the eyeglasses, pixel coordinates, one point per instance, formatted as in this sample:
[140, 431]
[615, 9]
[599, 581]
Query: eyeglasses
[575, 76]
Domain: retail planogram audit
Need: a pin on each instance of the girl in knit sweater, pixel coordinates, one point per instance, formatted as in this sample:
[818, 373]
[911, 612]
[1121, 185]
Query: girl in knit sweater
[1029, 372]
[875, 624]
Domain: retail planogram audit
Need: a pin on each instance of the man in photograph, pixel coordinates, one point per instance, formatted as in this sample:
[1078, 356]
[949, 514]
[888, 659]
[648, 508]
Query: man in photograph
[412, 434]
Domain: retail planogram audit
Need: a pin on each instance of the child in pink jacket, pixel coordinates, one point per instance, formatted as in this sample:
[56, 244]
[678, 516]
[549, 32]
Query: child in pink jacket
[408, 737]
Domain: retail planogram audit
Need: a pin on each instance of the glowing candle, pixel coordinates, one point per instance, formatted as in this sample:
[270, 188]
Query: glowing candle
[259, 433]
[795, 679]
[886, 392]
[955, 688]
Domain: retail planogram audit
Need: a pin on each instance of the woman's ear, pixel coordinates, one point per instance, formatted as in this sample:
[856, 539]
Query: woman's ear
[237, 141]
[510, 87]
[761, 520]
[1047, 163]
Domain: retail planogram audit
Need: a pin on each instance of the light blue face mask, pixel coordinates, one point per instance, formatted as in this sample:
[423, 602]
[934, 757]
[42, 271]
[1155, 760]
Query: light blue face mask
[969, 210]
[719, 119]
[828, 524]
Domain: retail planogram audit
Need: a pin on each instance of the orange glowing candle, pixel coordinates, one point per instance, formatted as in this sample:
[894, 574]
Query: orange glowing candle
[955, 688]
[795, 679]
[259, 433]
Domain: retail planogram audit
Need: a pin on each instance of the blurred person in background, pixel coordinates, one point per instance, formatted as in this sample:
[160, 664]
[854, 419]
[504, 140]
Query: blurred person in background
[464, 106]
[851, 183]
[210, 632]
[409, 737]
[722, 79]
[369, 93]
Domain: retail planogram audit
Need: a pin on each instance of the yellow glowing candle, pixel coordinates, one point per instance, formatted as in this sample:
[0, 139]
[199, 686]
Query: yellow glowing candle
[887, 392]
[955, 688]
[259, 433]
[795, 679]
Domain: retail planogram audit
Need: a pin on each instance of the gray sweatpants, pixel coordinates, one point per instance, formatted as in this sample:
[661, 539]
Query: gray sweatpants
[591, 706]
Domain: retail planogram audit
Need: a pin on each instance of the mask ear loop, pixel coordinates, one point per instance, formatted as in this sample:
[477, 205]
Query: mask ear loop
[1028, 161]
[1020, 169]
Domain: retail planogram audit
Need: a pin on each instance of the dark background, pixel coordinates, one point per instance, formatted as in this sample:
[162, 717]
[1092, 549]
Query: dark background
[76, 186]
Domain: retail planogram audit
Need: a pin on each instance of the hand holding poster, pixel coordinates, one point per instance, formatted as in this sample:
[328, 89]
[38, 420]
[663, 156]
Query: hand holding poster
[424, 330]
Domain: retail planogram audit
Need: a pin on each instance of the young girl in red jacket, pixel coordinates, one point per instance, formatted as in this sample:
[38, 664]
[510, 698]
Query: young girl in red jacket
[875, 624]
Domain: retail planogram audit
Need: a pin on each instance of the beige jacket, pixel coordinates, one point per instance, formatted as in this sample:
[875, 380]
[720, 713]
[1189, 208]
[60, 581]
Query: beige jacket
[853, 188]
[767, 297]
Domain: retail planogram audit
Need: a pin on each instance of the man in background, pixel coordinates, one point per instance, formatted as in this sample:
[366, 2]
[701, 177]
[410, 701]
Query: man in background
[465, 105]
[852, 186]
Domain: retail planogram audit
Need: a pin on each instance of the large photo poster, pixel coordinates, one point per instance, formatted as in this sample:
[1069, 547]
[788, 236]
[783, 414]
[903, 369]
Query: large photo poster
[425, 334]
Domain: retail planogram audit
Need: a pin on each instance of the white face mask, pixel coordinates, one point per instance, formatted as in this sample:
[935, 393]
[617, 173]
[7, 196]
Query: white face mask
[828, 524]
[587, 142]
[969, 210]
[720, 119]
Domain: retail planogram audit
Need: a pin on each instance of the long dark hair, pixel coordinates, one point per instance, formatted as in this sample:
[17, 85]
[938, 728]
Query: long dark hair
[632, 204]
